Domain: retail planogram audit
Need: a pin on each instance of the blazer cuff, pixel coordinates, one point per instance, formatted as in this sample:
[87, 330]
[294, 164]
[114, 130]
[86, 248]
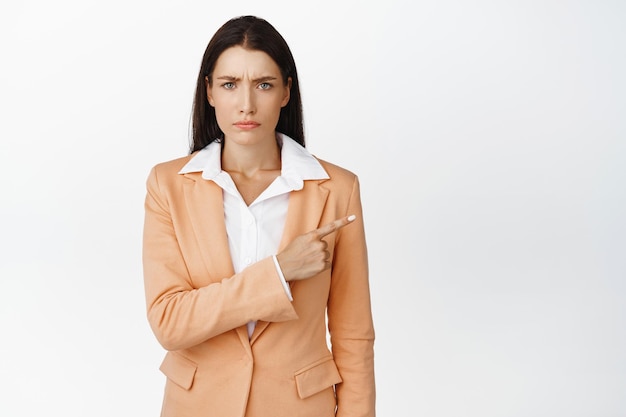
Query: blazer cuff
[282, 278]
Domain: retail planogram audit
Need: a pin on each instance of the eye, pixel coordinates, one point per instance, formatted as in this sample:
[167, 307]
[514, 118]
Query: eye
[265, 86]
[228, 85]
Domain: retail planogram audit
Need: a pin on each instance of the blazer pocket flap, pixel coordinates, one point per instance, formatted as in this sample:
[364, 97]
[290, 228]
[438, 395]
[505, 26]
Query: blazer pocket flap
[179, 369]
[317, 377]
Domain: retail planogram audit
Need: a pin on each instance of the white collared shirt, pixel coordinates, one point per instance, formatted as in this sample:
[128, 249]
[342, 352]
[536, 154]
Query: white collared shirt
[254, 231]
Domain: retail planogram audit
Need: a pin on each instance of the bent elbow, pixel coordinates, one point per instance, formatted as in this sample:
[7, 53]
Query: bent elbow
[169, 336]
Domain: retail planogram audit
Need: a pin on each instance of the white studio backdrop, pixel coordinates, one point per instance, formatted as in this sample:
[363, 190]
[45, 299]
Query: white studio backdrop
[490, 140]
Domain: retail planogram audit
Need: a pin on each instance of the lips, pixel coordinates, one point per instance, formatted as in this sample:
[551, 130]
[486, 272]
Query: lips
[247, 124]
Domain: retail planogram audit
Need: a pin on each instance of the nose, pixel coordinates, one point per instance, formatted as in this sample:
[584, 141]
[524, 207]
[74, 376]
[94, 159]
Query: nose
[247, 101]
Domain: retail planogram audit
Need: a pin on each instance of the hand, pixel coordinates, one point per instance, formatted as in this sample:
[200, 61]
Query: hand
[307, 255]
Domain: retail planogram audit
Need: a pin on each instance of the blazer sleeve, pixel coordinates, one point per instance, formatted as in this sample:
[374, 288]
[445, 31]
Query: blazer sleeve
[181, 315]
[350, 318]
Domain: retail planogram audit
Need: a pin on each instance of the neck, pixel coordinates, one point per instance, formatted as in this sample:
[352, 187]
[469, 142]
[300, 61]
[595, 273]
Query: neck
[249, 159]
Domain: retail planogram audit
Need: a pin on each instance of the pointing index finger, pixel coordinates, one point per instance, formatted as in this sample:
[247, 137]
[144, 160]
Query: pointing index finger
[334, 226]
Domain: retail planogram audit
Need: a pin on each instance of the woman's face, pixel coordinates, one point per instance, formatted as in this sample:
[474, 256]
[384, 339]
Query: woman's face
[247, 92]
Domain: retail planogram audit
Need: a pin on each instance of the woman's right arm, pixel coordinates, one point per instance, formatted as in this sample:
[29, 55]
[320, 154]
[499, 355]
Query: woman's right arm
[183, 316]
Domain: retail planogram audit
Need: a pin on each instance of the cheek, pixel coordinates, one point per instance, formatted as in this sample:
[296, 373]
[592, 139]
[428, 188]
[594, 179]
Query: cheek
[277, 106]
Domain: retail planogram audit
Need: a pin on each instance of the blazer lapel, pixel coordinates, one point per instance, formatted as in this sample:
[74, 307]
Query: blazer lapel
[305, 211]
[206, 210]
[303, 215]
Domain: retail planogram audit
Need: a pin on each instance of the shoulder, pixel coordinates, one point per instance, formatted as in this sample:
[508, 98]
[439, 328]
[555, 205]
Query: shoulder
[343, 186]
[338, 174]
[172, 166]
[166, 174]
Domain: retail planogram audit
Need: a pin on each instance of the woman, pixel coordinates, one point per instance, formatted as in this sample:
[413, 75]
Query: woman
[252, 245]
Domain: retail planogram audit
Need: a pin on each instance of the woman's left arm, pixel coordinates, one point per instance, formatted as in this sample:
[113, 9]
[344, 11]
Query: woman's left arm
[350, 317]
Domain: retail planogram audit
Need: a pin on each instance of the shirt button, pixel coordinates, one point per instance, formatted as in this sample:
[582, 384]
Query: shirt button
[248, 261]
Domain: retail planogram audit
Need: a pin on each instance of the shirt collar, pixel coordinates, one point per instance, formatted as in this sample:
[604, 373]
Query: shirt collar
[298, 165]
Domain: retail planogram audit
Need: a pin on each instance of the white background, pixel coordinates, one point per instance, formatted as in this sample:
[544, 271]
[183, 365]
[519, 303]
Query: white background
[490, 139]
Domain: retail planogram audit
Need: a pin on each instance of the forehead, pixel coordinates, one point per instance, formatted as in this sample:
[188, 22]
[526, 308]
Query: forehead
[238, 61]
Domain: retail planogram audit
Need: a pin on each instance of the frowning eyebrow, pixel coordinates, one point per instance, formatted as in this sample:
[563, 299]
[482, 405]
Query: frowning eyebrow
[256, 80]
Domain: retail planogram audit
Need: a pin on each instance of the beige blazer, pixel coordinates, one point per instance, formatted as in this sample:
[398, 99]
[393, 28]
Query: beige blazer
[198, 307]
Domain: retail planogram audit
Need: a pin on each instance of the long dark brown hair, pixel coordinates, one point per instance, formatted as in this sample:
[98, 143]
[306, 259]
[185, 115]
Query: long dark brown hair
[252, 33]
